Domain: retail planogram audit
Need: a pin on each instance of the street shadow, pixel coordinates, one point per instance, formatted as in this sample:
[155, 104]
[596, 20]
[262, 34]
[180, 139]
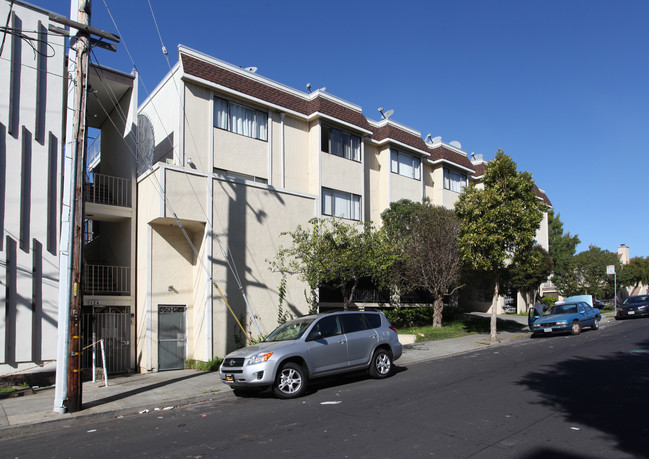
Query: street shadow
[318, 384]
[608, 394]
[140, 390]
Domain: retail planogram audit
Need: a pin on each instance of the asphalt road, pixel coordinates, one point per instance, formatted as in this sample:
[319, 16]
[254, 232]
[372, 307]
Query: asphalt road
[562, 397]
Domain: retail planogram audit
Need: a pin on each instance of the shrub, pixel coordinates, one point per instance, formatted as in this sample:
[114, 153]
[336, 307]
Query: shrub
[548, 300]
[420, 316]
[212, 365]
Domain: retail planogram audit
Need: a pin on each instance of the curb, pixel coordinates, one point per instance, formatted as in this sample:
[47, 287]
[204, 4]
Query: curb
[73, 420]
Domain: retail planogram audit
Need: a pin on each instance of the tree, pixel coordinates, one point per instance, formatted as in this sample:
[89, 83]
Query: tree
[528, 271]
[333, 252]
[499, 221]
[427, 238]
[586, 274]
[562, 246]
[635, 273]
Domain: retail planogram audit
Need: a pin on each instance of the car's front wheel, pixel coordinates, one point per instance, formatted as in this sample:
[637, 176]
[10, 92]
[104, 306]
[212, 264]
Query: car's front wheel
[576, 328]
[381, 365]
[290, 381]
[596, 324]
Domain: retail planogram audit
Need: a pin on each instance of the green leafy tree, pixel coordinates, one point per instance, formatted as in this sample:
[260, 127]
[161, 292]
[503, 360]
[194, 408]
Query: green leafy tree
[586, 274]
[499, 221]
[635, 273]
[426, 236]
[528, 270]
[333, 252]
[562, 246]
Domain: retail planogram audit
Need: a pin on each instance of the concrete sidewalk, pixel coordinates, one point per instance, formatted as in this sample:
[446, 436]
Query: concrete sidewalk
[136, 393]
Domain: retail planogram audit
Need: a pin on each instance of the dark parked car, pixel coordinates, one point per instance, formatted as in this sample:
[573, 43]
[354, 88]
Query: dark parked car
[314, 346]
[633, 306]
[600, 303]
[564, 317]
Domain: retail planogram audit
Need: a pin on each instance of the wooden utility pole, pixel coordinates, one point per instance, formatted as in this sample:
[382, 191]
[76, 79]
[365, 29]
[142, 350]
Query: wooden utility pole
[82, 46]
[68, 391]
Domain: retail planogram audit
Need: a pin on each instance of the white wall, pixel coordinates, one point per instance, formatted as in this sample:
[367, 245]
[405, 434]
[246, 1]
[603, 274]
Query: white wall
[30, 162]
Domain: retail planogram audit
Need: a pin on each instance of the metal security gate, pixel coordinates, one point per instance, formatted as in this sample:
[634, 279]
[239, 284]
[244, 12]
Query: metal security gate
[113, 325]
[172, 337]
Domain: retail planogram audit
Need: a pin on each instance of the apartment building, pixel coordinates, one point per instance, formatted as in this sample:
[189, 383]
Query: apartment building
[34, 95]
[236, 160]
[31, 142]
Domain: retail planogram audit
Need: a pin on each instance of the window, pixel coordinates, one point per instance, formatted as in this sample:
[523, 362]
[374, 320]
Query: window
[454, 181]
[240, 119]
[353, 322]
[239, 175]
[341, 143]
[328, 326]
[341, 204]
[403, 164]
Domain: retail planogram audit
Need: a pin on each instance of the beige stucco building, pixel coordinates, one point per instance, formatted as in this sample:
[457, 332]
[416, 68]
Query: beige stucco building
[237, 160]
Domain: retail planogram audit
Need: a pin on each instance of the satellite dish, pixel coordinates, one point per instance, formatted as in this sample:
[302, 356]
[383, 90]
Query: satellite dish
[456, 144]
[145, 144]
[251, 69]
[308, 87]
[322, 89]
[437, 139]
[388, 114]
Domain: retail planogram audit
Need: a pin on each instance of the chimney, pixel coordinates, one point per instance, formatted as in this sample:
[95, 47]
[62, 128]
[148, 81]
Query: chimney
[623, 254]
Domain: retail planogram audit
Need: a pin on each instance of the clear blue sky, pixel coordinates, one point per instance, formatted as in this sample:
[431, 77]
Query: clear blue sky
[562, 86]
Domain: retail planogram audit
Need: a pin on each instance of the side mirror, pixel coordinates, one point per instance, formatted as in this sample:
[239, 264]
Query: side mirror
[314, 335]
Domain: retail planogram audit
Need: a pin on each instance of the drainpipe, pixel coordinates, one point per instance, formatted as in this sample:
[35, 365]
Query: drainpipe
[283, 150]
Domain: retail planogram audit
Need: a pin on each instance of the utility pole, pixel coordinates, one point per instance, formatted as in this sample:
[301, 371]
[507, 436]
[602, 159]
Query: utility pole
[69, 372]
[82, 46]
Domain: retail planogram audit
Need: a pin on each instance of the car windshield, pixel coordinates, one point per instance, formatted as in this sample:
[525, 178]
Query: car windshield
[292, 329]
[637, 299]
[562, 309]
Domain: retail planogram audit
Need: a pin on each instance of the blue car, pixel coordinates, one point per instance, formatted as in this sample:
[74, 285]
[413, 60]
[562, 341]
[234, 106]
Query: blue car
[564, 318]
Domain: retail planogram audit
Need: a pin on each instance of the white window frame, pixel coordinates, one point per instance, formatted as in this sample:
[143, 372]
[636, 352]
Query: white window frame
[404, 164]
[240, 119]
[454, 181]
[341, 204]
[341, 143]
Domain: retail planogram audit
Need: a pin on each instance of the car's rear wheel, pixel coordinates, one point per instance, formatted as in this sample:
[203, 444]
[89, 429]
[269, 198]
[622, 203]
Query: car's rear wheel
[290, 381]
[596, 324]
[576, 328]
[381, 366]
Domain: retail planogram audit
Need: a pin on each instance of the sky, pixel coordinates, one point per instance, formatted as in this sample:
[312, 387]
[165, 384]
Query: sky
[561, 86]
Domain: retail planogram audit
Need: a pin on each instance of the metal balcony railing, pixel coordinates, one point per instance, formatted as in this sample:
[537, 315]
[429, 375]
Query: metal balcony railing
[113, 191]
[106, 280]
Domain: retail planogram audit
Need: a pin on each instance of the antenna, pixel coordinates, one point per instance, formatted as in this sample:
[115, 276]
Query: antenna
[428, 137]
[387, 114]
[145, 143]
[308, 87]
[251, 69]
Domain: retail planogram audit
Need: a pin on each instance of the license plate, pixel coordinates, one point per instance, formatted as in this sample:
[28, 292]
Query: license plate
[631, 313]
[229, 378]
[547, 330]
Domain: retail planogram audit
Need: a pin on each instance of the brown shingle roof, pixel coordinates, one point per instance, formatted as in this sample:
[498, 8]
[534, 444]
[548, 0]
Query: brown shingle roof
[541, 194]
[258, 89]
[389, 131]
[271, 94]
[442, 152]
[479, 169]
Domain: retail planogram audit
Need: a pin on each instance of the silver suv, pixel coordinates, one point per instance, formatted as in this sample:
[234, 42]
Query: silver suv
[314, 346]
